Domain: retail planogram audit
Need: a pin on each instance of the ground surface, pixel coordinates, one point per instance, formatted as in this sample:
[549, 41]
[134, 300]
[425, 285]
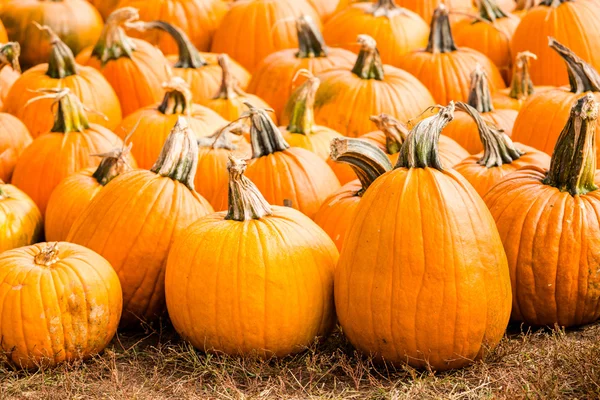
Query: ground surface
[157, 365]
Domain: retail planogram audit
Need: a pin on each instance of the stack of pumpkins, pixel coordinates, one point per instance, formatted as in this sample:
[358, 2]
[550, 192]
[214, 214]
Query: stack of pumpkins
[259, 185]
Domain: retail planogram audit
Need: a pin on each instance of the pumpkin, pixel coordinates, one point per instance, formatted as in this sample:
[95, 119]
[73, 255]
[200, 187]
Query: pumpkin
[61, 71]
[426, 8]
[398, 31]
[135, 236]
[255, 280]
[573, 22]
[3, 33]
[272, 29]
[548, 222]
[69, 300]
[407, 251]
[20, 219]
[287, 176]
[133, 67]
[273, 78]
[229, 101]
[76, 22]
[490, 34]
[105, 7]
[369, 163]
[444, 68]
[62, 151]
[10, 69]
[464, 130]
[347, 98]
[74, 193]
[149, 127]
[14, 138]
[499, 158]
[543, 116]
[325, 8]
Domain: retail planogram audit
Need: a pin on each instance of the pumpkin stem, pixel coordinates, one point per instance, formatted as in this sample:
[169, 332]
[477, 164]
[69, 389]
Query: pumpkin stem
[395, 131]
[440, 35]
[70, 114]
[524, 5]
[310, 39]
[114, 42]
[368, 64]
[178, 158]
[490, 11]
[521, 86]
[301, 104]
[480, 97]
[246, 202]
[113, 164]
[553, 3]
[265, 137]
[62, 61]
[367, 160]
[386, 8]
[574, 158]
[582, 76]
[178, 97]
[420, 150]
[9, 55]
[48, 255]
[230, 88]
[221, 139]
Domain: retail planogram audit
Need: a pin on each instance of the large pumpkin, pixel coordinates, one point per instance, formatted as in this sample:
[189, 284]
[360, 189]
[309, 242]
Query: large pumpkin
[398, 31]
[273, 28]
[61, 71]
[573, 22]
[105, 7]
[133, 67]
[422, 276]
[10, 69]
[255, 280]
[14, 138]
[149, 127]
[69, 301]
[348, 97]
[135, 235]
[444, 68]
[76, 22]
[550, 226]
[273, 79]
[21, 222]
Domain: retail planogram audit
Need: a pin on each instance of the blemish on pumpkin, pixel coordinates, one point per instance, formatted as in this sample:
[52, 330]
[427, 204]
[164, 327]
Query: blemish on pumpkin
[17, 287]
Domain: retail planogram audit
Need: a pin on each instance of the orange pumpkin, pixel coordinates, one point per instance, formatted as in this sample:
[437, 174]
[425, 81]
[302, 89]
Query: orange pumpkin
[149, 127]
[14, 138]
[408, 250]
[20, 219]
[133, 67]
[69, 300]
[325, 8]
[61, 71]
[574, 22]
[347, 98]
[445, 69]
[368, 163]
[426, 8]
[105, 7]
[76, 22]
[549, 225]
[135, 235]
[272, 29]
[3, 33]
[65, 149]
[273, 78]
[522, 7]
[285, 261]
[10, 69]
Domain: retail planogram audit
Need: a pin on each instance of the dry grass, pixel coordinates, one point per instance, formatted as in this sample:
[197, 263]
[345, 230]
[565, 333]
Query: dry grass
[533, 365]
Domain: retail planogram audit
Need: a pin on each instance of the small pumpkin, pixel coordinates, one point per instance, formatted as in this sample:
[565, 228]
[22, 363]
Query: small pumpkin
[14, 138]
[105, 7]
[20, 219]
[265, 270]
[444, 68]
[135, 236]
[10, 69]
[69, 300]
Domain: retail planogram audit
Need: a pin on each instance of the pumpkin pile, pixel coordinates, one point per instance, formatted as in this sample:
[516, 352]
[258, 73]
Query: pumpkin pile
[258, 171]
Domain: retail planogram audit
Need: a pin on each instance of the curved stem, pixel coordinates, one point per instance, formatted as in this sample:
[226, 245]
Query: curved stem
[367, 161]
[9, 55]
[48, 255]
[245, 200]
[490, 11]
[310, 40]
[582, 76]
[221, 139]
[62, 61]
[440, 35]
[302, 103]
[70, 114]
[480, 97]
[265, 137]
[521, 86]
[368, 64]
[114, 43]
[574, 158]
[395, 132]
[178, 97]
[229, 85]
[112, 165]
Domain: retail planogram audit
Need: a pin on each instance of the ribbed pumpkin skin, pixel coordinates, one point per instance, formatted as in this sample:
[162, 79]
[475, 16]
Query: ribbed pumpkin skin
[21, 223]
[273, 28]
[14, 138]
[8, 77]
[425, 8]
[325, 8]
[273, 78]
[88, 85]
[502, 100]
[69, 310]
[105, 7]
[232, 108]
[138, 80]
[404, 288]
[559, 230]
[483, 179]
[261, 284]
[132, 223]
[199, 19]
[574, 23]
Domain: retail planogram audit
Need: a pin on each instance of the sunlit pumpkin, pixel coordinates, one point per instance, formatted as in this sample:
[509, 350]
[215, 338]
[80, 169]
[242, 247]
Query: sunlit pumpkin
[21, 222]
[105, 7]
[14, 138]
[10, 68]
[426, 8]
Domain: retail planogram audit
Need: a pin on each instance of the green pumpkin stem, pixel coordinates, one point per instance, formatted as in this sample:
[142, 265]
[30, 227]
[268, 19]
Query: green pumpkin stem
[177, 98]
[62, 61]
[70, 114]
[265, 137]
[113, 164]
[230, 88]
[300, 106]
[490, 11]
[367, 161]
[440, 35]
[246, 202]
[368, 64]
[582, 76]
[48, 256]
[9, 55]
[114, 42]
[310, 40]
[178, 159]
[574, 158]
[221, 139]
[521, 86]
[395, 132]
[420, 150]
[480, 97]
